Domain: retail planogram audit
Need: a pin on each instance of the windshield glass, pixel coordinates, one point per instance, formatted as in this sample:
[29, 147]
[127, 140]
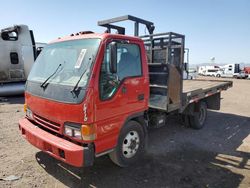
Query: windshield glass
[74, 57]
[61, 65]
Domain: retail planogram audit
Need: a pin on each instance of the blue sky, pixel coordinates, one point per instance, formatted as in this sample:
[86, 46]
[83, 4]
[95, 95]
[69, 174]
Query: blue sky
[213, 28]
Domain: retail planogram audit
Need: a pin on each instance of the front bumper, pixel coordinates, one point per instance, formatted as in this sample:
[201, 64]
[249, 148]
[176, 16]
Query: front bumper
[58, 148]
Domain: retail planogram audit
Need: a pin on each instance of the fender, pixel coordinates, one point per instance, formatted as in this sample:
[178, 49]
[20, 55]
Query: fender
[142, 118]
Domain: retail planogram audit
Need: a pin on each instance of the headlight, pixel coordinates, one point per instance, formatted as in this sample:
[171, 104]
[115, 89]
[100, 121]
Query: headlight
[81, 132]
[29, 113]
[77, 134]
[73, 130]
[68, 131]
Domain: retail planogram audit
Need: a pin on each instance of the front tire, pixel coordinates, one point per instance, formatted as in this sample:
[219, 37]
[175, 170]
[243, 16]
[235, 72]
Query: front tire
[130, 146]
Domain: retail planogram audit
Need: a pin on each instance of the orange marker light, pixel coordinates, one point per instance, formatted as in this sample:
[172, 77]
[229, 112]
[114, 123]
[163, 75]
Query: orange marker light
[88, 132]
[25, 107]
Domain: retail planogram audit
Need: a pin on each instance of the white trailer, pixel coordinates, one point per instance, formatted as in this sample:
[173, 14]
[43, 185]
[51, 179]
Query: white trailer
[229, 70]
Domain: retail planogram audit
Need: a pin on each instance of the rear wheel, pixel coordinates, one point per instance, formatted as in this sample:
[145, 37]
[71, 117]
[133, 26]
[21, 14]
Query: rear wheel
[185, 120]
[197, 120]
[130, 146]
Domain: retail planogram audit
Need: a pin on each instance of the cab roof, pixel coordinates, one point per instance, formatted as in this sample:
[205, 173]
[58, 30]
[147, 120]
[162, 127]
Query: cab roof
[89, 35]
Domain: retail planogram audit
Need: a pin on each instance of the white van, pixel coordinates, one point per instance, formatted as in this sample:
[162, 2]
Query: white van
[208, 70]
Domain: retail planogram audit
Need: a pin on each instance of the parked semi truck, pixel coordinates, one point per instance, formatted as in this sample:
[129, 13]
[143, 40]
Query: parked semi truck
[18, 51]
[92, 94]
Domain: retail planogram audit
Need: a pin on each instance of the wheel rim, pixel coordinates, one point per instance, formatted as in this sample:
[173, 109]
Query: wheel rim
[202, 115]
[130, 144]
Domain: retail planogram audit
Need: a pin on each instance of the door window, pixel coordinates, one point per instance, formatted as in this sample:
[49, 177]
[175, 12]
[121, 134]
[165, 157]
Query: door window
[128, 65]
[11, 35]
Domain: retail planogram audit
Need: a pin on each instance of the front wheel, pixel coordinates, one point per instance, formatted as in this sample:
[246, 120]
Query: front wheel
[130, 146]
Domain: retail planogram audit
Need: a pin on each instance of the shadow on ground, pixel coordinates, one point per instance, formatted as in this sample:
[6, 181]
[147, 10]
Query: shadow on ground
[12, 100]
[176, 157]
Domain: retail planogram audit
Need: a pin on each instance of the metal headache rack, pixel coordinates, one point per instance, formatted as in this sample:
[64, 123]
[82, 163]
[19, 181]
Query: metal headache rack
[121, 30]
[161, 47]
[165, 55]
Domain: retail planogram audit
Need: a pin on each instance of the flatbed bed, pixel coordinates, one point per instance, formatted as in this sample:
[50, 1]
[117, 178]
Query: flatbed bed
[193, 90]
[197, 86]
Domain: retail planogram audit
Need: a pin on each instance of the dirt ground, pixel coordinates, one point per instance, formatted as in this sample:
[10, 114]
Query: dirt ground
[216, 156]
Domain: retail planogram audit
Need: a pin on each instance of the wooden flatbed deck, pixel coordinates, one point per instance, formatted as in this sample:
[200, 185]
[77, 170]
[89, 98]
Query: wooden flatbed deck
[192, 90]
[194, 87]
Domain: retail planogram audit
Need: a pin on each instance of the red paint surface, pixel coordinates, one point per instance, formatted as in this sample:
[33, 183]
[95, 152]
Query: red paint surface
[51, 144]
[246, 70]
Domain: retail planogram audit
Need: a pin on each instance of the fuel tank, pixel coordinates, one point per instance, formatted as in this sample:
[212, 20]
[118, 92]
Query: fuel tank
[11, 89]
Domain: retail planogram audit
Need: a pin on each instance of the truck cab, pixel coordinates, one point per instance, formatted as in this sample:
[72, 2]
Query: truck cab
[85, 92]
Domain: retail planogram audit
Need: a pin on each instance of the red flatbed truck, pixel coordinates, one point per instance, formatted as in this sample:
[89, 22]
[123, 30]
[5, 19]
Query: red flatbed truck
[93, 94]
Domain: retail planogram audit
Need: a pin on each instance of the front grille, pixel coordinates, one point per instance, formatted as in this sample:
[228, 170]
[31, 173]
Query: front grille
[47, 123]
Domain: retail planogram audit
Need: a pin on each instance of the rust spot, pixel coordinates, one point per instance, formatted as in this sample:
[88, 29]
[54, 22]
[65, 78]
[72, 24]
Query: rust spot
[3, 76]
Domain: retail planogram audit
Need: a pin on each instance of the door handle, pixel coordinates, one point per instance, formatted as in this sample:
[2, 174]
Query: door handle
[124, 89]
[140, 97]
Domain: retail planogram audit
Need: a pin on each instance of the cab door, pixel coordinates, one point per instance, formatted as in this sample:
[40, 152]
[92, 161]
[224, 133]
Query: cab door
[120, 93]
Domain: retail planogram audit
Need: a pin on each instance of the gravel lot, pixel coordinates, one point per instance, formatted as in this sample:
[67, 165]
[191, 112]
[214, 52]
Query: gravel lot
[216, 156]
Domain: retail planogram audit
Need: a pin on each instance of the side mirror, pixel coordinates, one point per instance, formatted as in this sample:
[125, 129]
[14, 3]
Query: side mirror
[38, 51]
[113, 57]
[186, 66]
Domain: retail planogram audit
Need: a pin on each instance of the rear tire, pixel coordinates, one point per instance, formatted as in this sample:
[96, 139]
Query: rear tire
[130, 145]
[197, 121]
[185, 120]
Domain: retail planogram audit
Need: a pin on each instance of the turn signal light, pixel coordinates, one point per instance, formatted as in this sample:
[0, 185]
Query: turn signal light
[88, 132]
[25, 107]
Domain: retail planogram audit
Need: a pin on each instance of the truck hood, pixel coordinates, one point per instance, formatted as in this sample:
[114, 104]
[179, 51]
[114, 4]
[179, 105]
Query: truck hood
[50, 113]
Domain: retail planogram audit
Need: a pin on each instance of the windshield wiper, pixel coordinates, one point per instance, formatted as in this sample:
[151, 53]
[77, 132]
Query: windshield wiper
[45, 84]
[76, 87]
[75, 90]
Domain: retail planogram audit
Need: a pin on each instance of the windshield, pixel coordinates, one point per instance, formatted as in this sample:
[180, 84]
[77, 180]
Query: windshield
[74, 57]
[62, 65]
